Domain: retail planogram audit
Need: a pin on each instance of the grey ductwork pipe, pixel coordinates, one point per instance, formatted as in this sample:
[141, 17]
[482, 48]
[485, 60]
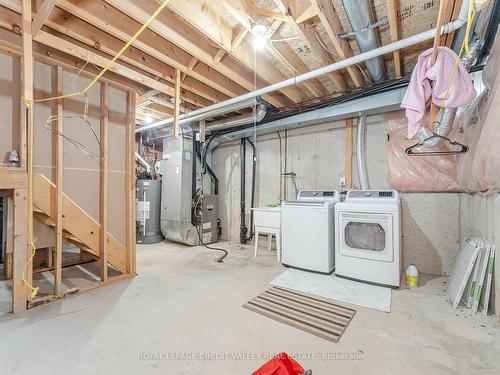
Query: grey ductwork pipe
[446, 116]
[361, 17]
[361, 153]
[257, 114]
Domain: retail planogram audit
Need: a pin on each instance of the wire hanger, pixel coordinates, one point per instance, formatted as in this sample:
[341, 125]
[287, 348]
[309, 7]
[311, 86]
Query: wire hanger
[463, 148]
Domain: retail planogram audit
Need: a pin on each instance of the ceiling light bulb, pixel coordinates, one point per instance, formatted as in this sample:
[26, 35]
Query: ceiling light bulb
[260, 34]
[148, 119]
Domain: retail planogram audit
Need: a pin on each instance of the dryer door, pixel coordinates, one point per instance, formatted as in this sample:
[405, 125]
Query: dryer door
[366, 235]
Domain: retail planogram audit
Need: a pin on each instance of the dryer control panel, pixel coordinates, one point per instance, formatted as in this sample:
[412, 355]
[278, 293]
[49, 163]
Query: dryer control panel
[367, 194]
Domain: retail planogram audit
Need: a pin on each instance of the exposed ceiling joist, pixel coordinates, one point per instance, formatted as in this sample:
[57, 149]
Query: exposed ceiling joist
[308, 32]
[204, 21]
[331, 22]
[393, 26]
[170, 27]
[41, 15]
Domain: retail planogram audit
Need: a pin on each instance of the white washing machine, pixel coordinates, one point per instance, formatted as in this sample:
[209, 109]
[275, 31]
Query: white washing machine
[308, 231]
[367, 240]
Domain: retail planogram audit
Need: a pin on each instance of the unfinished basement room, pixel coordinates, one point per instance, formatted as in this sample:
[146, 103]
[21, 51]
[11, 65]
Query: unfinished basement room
[255, 187]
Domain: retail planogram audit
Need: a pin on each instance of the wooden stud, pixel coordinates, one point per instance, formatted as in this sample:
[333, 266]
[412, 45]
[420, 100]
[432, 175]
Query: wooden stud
[203, 129]
[59, 185]
[348, 153]
[103, 182]
[19, 291]
[130, 183]
[28, 111]
[41, 15]
[393, 26]
[177, 102]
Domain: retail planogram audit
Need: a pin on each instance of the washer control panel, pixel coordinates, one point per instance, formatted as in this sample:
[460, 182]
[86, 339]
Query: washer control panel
[317, 194]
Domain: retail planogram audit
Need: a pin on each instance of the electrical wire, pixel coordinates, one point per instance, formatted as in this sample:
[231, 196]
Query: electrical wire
[162, 6]
[29, 103]
[325, 47]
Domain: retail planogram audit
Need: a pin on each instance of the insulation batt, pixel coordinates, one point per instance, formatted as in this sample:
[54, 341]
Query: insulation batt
[420, 89]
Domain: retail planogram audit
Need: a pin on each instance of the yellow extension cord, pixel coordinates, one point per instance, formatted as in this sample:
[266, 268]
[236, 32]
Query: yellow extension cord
[30, 102]
[465, 46]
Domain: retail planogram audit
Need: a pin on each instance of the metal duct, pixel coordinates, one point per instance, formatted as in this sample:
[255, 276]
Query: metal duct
[361, 17]
[446, 116]
[257, 114]
[361, 154]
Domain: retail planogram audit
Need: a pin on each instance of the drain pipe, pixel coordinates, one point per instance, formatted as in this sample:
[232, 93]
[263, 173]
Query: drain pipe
[391, 47]
[361, 154]
[243, 227]
[252, 199]
[143, 162]
[361, 19]
[446, 115]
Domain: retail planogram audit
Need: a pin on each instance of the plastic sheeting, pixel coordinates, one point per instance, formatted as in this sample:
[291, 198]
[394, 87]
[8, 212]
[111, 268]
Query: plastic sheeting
[479, 127]
[416, 173]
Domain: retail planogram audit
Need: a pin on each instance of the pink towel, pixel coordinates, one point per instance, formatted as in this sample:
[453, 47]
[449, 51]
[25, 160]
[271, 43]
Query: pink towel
[419, 90]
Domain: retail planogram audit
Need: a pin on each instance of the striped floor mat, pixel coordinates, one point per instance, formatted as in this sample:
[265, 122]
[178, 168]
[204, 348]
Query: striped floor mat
[319, 317]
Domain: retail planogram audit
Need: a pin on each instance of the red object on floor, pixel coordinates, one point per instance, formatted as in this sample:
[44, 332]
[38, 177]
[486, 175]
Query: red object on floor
[282, 364]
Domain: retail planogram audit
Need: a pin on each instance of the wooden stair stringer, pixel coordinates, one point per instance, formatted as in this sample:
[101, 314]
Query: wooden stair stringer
[77, 222]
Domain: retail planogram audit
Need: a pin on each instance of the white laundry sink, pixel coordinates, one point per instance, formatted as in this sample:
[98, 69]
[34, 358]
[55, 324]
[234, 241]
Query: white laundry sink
[267, 217]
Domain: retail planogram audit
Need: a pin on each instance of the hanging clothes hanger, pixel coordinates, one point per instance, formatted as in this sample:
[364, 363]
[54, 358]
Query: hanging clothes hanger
[410, 150]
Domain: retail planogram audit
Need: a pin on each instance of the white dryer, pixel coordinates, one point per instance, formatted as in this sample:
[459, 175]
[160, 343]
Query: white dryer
[367, 241]
[308, 231]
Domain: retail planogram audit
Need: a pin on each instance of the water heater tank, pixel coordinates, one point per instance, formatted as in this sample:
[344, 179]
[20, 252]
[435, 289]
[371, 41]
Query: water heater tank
[148, 211]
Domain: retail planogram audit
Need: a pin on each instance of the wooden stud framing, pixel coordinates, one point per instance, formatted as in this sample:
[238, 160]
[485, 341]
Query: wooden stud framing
[130, 183]
[348, 153]
[59, 186]
[28, 111]
[394, 29]
[41, 15]
[177, 102]
[103, 183]
[20, 257]
[203, 129]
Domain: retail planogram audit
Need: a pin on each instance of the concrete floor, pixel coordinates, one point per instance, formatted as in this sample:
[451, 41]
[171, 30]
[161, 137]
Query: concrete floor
[183, 304]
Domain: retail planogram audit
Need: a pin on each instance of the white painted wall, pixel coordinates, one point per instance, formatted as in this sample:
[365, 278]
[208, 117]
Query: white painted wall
[430, 221]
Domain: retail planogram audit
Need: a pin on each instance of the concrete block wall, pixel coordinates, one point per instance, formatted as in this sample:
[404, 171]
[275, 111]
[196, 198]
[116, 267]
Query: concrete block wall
[431, 229]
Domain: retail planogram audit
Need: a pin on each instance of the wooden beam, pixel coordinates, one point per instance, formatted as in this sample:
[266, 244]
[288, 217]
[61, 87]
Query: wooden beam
[331, 22]
[20, 257]
[41, 15]
[203, 128]
[203, 19]
[307, 14]
[28, 115]
[281, 51]
[309, 33]
[177, 103]
[10, 179]
[392, 7]
[348, 153]
[59, 184]
[103, 182]
[130, 183]
[176, 47]
[238, 38]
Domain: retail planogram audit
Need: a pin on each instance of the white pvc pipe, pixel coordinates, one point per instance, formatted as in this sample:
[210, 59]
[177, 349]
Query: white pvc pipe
[388, 48]
[143, 162]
